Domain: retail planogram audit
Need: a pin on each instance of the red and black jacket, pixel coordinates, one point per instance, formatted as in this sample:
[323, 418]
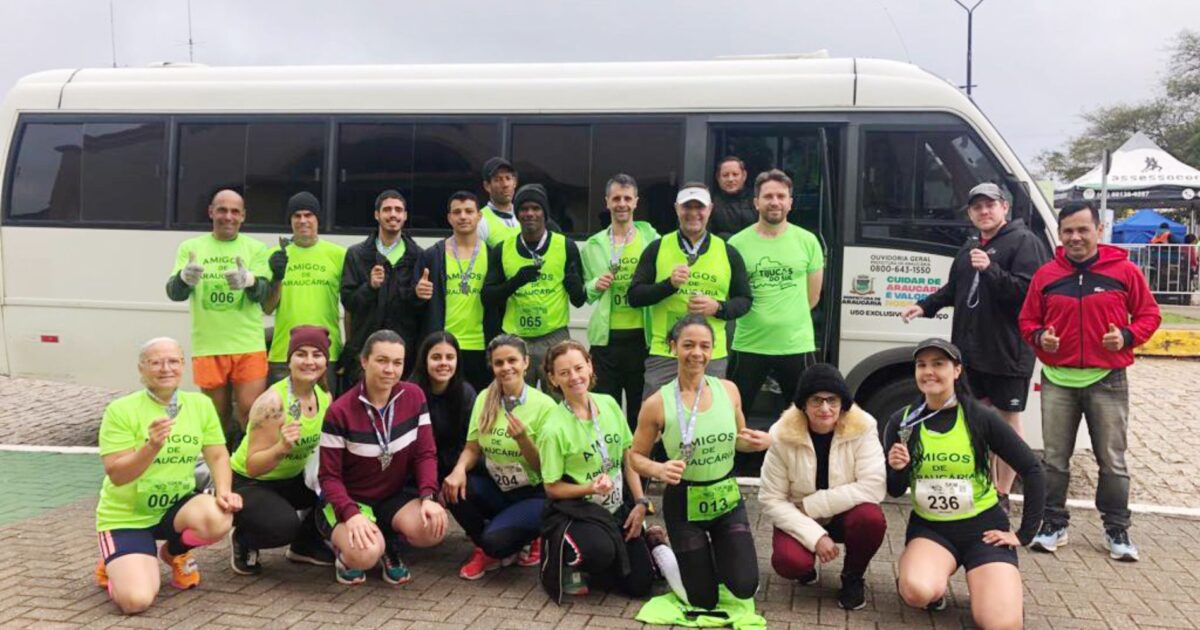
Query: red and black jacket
[1080, 301]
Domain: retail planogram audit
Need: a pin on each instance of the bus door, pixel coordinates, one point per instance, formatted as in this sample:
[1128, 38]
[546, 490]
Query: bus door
[807, 152]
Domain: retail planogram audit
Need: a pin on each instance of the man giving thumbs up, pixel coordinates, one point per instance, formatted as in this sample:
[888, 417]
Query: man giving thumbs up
[1083, 314]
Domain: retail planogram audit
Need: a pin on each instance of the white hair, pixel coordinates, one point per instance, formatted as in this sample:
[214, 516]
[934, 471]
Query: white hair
[154, 342]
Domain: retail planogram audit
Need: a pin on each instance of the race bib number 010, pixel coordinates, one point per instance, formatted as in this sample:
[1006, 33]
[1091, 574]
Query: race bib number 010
[946, 497]
[508, 476]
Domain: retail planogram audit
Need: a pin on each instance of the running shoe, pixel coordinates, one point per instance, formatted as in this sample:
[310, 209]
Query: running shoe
[853, 594]
[1119, 545]
[242, 558]
[394, 569]
[937, 605]
[314, 552]
[574, 584]
[184, 572]
[531, 556]
[1049, 538]
[101, 573]
[479, 564]
[346, 575]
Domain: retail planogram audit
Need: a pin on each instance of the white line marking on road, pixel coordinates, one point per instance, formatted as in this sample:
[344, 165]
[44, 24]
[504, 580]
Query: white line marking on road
[29, 448]
[1143, 508]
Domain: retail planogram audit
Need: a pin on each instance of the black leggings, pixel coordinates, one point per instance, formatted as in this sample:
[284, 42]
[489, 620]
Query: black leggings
[587, 548]
[720, 551]
[749, 371]
[620, 369]
[268, 516]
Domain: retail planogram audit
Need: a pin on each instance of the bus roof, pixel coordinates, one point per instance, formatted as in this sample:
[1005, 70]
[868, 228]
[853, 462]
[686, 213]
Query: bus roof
[625, 87]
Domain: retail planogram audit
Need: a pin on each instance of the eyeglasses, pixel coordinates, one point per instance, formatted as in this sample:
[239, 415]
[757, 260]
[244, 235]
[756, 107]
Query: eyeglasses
[816, 402]
[158, 364]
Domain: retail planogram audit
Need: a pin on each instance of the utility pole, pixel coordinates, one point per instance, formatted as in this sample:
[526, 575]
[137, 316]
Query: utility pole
[192, 44]
[970, 24]
[112, 32]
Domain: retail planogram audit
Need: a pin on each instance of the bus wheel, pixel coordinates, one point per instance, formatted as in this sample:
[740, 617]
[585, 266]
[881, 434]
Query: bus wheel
[889, 399]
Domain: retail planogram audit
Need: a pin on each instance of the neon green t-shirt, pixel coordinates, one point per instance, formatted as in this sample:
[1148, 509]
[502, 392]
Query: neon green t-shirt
[142, 502]
[224, 321]
[542, 306]
[464, 312]
[568, 449]
[309, 295]
[779, 321]
[394, 254]
[502, 455]
[1075, 378]
[292, 464]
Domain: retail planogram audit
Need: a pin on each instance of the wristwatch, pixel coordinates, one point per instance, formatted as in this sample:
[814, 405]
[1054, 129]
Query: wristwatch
[646, 502]
[429, 497]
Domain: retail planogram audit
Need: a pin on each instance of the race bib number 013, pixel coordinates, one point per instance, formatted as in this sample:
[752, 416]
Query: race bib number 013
[508, 476]
[704, 503]
[946, 497]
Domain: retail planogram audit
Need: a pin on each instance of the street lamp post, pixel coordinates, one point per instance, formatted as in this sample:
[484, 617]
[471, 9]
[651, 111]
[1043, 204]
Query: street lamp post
[970, 23]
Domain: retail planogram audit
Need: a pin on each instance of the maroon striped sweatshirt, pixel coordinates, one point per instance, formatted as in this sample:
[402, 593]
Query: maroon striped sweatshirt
[350, 470]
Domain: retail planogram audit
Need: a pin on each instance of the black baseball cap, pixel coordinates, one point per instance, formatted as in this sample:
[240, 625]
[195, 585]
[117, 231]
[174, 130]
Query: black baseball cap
[946, 347]
[493, 166]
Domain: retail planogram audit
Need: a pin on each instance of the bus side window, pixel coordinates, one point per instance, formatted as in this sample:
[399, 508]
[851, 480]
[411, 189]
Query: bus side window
[266, 162]
[915, 185]
[89, 172]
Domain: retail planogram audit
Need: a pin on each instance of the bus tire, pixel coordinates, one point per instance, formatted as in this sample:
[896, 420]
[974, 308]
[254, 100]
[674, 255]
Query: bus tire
[888, 399]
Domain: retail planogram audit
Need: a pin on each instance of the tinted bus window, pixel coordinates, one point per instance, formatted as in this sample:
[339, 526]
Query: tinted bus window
[574, 162]
[425, 162]
[266, 162]
[915, 184]
[89, 172]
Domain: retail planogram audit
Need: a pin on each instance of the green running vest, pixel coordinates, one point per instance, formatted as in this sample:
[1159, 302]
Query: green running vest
[540, 307]
[710, 276]
[715, 438]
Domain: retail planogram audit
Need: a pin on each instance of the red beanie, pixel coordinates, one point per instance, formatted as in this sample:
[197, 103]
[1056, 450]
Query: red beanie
[314, 336]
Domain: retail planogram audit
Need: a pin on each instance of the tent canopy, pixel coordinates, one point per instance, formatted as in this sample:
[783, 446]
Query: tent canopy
[1140, 173]
[1142, 226]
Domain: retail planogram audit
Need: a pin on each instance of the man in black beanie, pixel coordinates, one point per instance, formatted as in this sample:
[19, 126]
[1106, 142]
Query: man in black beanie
[306, 276]
[533, 278]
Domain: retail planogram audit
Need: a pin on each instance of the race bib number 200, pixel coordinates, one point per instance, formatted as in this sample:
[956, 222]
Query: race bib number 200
[613, 500]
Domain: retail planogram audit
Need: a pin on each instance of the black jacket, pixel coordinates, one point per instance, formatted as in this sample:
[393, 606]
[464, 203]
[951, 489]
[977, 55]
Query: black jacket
[393, 305]
[556, 516]
[732, 213]
[433, 310]
[988, 334]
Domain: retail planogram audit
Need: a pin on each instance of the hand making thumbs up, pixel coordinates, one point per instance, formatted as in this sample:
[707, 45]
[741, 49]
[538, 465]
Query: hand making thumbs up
[1049, 341]
[239, 277]
[192, 272]
[424, 287]
[1114, 339]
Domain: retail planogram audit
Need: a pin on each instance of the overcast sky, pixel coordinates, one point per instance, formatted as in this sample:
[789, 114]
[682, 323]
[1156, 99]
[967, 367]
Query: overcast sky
[1038, 63]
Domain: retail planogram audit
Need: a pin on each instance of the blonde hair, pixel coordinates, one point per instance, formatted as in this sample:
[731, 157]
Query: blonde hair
[491, 404]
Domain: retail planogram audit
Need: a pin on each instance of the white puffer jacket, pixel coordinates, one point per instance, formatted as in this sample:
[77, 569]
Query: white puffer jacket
[788, 494]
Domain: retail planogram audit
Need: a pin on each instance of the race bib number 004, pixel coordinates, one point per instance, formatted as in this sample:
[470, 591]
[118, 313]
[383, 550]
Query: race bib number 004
[508, 476]
[155, 496]
[946, 497]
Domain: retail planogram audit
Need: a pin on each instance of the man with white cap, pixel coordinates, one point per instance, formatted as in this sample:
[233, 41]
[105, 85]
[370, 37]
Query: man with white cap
[688, 271]
[988, 281]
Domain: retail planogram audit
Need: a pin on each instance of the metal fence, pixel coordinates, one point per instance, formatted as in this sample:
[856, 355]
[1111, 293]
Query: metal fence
[1170, 270]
